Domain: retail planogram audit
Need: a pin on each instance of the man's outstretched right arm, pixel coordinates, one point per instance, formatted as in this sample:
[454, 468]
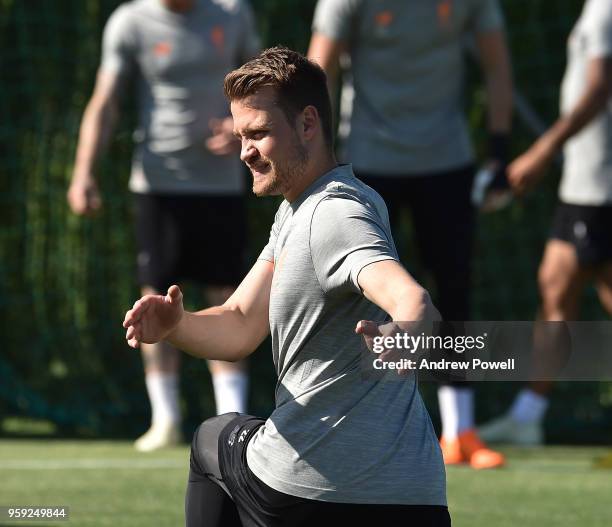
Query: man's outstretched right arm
[229, 332]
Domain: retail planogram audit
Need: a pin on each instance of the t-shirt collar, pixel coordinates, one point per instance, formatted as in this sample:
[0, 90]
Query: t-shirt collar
[340, 171]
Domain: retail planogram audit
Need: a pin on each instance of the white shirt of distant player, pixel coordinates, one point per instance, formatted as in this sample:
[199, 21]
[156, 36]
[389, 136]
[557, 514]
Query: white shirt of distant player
[587, 171]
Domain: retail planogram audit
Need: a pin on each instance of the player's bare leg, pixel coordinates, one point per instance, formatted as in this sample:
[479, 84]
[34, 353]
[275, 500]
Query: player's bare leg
[603, 278]
[561, 281]
[230, 379]
[161, 366]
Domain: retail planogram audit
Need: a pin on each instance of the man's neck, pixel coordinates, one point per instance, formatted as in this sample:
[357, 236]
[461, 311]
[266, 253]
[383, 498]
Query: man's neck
[324, 165]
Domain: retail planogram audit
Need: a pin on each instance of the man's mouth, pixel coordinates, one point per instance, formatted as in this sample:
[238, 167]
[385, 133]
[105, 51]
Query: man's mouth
[259, 168]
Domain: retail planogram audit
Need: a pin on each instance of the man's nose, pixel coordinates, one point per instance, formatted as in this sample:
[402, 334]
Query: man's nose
[247, 151]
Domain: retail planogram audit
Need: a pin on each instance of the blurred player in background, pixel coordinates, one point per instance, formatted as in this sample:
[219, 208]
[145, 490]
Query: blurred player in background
[579, 250]
[186, 175]
[408, 139]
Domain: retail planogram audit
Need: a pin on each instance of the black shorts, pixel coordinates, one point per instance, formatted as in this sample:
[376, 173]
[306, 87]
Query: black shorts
[199, 238]
[444, 222]
[588, 228]
[219, 452]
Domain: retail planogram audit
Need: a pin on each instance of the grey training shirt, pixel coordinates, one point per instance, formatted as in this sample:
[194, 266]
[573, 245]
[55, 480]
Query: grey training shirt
[407, 69]
[335, 435]
[178, 62]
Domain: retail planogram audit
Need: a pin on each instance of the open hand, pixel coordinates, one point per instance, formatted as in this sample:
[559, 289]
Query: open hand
[153, 317]
[370, 330]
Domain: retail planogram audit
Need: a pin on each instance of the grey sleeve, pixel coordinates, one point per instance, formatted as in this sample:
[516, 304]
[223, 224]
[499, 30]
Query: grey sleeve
[334, 18]
[268, 251]
[250, 44]
[598, 27]
[487, 16]
[118, 43]
[345, 236]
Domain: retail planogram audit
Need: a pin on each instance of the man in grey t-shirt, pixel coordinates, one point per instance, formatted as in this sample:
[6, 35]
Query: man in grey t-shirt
[186, 177]
[407, 137]
[579, 250]
[339, 445]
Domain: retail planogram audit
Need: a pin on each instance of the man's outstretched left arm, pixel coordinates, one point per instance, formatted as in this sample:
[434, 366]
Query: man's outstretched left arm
[390, 287]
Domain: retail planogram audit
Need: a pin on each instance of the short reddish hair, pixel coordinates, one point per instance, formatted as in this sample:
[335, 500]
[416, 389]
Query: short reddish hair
[297, 81]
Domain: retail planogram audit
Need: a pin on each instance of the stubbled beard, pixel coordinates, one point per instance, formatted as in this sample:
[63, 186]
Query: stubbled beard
[281, 174]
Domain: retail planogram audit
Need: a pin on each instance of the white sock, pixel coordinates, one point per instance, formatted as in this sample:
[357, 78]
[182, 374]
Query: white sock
[163, 396]
[231, 388]
[528, 407]
[456, 410]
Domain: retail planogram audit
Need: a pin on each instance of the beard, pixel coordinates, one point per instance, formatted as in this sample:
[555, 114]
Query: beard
[280, 174]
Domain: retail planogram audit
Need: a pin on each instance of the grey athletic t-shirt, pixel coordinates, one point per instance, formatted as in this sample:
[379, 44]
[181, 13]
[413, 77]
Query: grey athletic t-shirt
[407, 69]
[178, 62]
[587, 170]
[334, 435]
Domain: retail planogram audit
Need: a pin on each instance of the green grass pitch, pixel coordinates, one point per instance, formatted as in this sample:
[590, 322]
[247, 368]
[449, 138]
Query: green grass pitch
[108, 483]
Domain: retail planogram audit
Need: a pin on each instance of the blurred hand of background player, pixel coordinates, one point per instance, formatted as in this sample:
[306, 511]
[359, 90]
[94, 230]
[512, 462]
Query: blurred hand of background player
[497, 193]
[223, 141]
[83, 195]
[491, 189]
[153, 317]
[527, 169]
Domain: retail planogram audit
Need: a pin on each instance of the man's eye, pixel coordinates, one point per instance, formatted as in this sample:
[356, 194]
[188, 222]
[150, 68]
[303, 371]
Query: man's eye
[258, 135]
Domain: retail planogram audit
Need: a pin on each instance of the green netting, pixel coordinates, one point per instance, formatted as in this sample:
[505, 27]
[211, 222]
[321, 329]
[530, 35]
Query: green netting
[66, 281]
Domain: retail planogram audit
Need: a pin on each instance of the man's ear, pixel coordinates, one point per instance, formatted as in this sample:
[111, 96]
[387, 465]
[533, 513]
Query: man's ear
[309, 123]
